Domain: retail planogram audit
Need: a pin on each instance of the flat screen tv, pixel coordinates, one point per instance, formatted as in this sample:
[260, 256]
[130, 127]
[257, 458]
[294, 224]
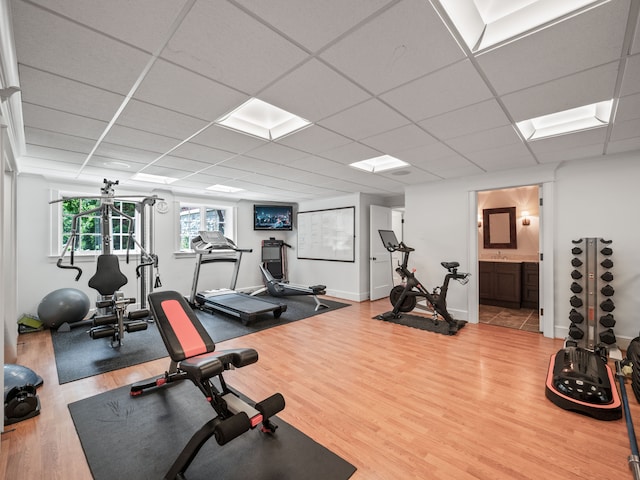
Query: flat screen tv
[272, 217]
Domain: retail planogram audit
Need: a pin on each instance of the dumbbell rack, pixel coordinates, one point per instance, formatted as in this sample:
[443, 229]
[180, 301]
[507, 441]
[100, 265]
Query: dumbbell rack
[591, 303]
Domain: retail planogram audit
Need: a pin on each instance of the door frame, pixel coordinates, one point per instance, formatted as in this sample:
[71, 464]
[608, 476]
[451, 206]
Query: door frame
[546, 307]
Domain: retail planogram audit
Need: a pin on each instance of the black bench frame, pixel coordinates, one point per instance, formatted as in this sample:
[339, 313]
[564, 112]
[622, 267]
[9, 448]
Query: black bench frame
[193, 357]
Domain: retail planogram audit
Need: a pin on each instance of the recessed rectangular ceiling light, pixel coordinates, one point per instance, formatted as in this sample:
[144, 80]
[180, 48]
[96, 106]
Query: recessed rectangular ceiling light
[261, 119]
[224, 188]
[379, 164]
[147, 177]
[483, 23]
[568, 121]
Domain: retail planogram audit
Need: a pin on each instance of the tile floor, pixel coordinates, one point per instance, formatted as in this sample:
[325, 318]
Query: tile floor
[521, 319]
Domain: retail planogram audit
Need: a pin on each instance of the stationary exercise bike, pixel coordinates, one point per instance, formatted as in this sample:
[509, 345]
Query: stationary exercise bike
[404, 298]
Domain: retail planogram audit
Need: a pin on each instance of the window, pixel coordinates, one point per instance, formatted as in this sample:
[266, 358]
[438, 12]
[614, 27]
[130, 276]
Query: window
[89, 237]
[194, 218]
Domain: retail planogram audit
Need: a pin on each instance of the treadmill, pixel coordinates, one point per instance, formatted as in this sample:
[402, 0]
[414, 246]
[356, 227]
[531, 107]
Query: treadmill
[212, 247]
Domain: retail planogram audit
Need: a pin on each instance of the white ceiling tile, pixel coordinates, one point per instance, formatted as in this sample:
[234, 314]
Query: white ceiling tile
[474, 118]
[252, 165]
[170, 86]
[61, 122]
[353, 152]
[364, 120]
[584, 88]
[399, 139]
[635, 45]
[62, 47]
[161, 121]
[432, 151]
[488, 139]
[625, 130]
[142, 23]
[459, 170]
[222, 170]
[57, 140]
[165, 171]
[573, 153]
[314, 139]
[624, 145]
[631, 79]
[56, 154]
[502, 158]
[313, 24]
[438, 166]
[181, 163]
[448, 89]
[403, 43]
[276, 153]
[410, 176]
[559, 50]
[314, 164]
[70, 96]
[234, 35]
[227, 140]
[628, 108]
[594, 136]
[313, 91]
[125, 153]
[130, 137]
[201, 153]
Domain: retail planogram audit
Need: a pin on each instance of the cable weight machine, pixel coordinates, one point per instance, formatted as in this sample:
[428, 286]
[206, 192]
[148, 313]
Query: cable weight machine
[111, 318]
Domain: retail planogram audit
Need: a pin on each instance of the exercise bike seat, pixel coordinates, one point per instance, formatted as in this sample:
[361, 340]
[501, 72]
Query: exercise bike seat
[318, 289]
[450, 265]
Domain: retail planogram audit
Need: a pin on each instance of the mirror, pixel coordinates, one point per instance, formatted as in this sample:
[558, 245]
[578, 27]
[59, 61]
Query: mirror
[499, 227]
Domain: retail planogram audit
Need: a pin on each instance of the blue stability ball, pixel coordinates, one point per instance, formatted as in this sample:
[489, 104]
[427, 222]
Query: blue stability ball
[63, 305]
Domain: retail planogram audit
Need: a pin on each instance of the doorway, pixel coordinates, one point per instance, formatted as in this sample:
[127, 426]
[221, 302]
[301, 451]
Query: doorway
[508, 257]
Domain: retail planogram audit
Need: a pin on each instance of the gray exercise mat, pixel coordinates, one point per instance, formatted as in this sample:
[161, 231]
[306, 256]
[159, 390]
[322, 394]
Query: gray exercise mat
[126, 437]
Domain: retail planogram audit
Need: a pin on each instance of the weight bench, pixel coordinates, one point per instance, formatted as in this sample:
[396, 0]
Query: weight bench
[193, 357]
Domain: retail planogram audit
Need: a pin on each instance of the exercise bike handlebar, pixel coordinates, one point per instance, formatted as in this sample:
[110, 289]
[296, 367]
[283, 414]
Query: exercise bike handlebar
[401, 247]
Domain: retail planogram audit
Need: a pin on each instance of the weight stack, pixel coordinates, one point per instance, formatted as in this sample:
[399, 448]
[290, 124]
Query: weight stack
[591, 302]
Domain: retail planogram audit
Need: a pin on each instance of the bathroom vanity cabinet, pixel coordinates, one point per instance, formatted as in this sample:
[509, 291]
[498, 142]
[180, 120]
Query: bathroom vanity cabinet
[500, 283]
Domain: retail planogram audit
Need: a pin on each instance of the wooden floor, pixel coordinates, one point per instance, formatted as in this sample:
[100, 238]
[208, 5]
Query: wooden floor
[397, 402]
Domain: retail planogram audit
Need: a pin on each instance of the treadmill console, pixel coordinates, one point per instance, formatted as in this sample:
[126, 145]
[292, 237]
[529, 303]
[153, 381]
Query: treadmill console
[206, 241]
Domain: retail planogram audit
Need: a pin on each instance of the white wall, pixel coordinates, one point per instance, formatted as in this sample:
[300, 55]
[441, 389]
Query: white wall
[599, 198]
[592, 198]
[38, 274]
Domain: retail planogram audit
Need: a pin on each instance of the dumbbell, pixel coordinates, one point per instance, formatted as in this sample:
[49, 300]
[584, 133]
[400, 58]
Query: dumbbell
[577, 302]
[607, 337]
[576, 317]
[607, 276]
[606, 251]
[607, 263]
[575, 332]
[576, 275]
[607, 321]
[607, 305]
[576, 250]
[607, 290]
[576, 287]
[576, 262]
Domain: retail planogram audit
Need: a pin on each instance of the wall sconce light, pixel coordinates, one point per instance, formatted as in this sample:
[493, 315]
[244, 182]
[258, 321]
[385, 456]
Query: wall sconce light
[479, 221]
[525, 218]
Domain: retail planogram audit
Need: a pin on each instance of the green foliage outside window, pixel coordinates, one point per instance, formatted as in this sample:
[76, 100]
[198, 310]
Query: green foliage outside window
[89, 235]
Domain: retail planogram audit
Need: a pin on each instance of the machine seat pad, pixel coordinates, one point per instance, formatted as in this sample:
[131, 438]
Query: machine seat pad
[108, 277]
[202, 367]
[450, 265]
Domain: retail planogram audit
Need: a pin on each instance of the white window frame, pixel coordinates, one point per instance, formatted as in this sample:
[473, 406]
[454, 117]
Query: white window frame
[202, 208]
[57, 229]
